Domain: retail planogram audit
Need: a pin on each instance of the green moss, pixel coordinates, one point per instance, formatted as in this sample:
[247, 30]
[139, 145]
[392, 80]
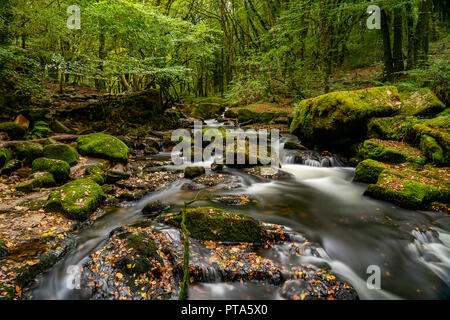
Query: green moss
[246, 116]
[294, 146]
[38, 180]
[95, 173]
[4, 251]
[369, 170]
[340, 117]
[390, 151]
[5, 157]
[208, 110]
[217, 225]
[193, 172]
[76, 199]
[404, 192]
[60, 169]
[432, 150]
[230, 113]
[61, 152]
[397, 128]
[114, 176]
[14, 131]
[11, 166]
[28, 151]
[103, 146]
[419, 102]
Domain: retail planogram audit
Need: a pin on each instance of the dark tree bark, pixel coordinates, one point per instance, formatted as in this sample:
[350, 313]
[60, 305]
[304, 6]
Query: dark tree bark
[386, 36]
[397, 53]
[423, 26]
[410, 61]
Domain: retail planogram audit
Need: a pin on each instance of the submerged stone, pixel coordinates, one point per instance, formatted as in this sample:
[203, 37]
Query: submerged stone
[103, 146]
[76, 199]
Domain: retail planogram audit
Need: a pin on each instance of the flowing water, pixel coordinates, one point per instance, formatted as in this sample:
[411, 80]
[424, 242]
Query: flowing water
[328, 208]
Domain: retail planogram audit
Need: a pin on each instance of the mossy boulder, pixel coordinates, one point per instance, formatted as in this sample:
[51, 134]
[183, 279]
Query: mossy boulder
[61, 152]
[113, 176]
[193, 172]
[290, 145]
[246, 116]
[28, 151]
[103, 146]
[60, 169]
[37, 181]
[390, 151]
[405, 192]
[77, 199]
[398, 128]
[238, 155]
[433, 151]
[5, 157]
[420, 102]
[95, 173]
[340, 118]
[14, 131]
[11, 166]
[208, 110]
[217, 225]
[369, 170]
[231, 113]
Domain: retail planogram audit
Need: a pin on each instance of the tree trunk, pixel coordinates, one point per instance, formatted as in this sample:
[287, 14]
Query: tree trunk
[422, 37]
[398, 41]
[410, 62]
[386, 35]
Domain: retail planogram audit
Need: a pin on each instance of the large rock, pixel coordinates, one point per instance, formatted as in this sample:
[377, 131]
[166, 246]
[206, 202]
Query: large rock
[420, 102]
[28, 151]
[77, 199]
[37, 181]
[193, 172]
[103, 146]
[206, 110]
[60, 169]
[340, 118]
[391, 152]
[14, 131]
[217, 225]
[61, 152]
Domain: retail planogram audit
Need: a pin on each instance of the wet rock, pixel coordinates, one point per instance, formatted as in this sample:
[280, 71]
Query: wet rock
[155, 208]
[115, 176]
[290, 145]
[217, 167]
[193, 172]
[38, 180]
[14, 131]
[234, 200]
[269, 172]
[103, 146]
[212, 180]
[76, 199]
[61, 152]
[217, 225]
[60, 169]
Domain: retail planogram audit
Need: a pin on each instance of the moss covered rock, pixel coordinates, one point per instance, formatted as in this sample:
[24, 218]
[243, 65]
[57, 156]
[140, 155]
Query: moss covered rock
[113, 176]
[398, 128]
[246, 116]
[5, 157]
[37, 181]
[103, 146]
[407, 193]
[60, 169]
[193, 172]
[61, 152]
[420, 102]
[369, 170]
[95, 173]
[208, 110]
[28, 151]
[11, 166]
[390, 151]
[290, 145]
[77, 199]
[341, 117]
[13, 130]
[432, 150]
[217, 225]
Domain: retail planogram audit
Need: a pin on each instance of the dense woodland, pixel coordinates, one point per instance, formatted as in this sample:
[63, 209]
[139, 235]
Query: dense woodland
[354, 96]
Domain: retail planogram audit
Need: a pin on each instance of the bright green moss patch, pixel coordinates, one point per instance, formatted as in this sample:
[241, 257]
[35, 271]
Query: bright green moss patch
[391, 128]
[60, 169]
[217, 225]
[369, 170]
[61, 152]
[390, 151]
[432, 150]
[103, 146]
[419, 102]
[38, 180]
[14, 131]
[76, 199]
[28, 151]
[341, 116]
[95, 173]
